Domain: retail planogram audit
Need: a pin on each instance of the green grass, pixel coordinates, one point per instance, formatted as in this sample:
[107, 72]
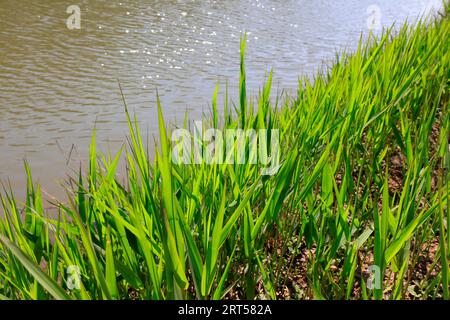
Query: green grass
[363, 180]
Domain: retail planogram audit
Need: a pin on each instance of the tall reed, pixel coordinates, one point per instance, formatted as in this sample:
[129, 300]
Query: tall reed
[362, 186]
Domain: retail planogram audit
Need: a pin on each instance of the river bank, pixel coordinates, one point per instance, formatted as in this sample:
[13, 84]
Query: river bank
[361, 188]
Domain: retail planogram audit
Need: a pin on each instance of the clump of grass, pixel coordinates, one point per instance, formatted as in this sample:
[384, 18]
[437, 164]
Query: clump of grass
[363, 181]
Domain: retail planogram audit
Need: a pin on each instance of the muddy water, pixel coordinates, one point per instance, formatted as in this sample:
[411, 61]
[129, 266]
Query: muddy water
[55, 83]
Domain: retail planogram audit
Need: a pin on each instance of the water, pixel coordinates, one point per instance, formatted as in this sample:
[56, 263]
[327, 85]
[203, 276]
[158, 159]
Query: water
[55, 83]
